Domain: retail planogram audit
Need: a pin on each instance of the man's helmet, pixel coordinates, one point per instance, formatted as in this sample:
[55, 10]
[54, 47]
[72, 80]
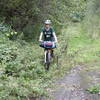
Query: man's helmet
[47, 22]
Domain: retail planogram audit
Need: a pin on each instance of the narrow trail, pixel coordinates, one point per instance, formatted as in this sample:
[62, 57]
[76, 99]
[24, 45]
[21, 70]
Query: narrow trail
[69, 88]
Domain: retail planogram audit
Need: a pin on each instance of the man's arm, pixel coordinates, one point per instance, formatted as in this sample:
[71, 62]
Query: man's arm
[55, 37]
[40, 38]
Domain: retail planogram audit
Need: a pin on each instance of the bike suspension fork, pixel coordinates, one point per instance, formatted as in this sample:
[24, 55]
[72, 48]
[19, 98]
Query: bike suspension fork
[45, 53]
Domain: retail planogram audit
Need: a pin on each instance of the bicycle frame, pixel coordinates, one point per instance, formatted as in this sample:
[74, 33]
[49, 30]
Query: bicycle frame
[47, 51]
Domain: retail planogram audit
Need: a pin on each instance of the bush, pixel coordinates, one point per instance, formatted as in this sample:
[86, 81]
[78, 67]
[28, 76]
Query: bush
[21, 74]
[92, 22]
[94, 89]
[8, 32]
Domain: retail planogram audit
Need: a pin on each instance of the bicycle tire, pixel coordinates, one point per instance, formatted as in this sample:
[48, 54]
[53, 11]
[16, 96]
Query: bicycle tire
[47, 64]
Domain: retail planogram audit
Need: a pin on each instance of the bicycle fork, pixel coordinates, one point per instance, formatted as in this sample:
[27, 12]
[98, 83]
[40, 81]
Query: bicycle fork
[47, 54]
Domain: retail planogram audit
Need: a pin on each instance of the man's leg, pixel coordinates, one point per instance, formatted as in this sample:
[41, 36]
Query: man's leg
[52, 53]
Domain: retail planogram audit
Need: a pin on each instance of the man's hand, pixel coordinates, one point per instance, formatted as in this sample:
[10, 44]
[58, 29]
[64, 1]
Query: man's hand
[56, 43]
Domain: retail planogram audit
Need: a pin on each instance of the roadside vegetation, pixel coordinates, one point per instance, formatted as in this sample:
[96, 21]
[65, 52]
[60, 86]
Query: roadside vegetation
[94, 89]
[22, 74]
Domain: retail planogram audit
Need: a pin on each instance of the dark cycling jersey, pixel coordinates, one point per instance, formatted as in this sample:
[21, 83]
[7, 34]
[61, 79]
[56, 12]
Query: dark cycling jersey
[48, 34]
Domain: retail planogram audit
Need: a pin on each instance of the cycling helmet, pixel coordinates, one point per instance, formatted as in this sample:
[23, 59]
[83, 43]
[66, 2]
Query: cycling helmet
[47, 22]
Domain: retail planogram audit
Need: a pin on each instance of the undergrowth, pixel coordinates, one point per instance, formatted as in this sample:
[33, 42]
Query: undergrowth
[94, 89]
[22, 74]
[82, 47]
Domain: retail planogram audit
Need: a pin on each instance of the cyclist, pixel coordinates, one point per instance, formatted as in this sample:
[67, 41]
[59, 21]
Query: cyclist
[48, 34]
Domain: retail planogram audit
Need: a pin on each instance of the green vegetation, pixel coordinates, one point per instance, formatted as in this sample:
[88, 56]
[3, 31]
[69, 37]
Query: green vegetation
[83, 47]
[26, 16]
[92, 22]
[22, 73]
[94, 89]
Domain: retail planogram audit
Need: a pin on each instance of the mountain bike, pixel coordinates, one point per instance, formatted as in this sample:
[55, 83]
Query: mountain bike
[48, 52]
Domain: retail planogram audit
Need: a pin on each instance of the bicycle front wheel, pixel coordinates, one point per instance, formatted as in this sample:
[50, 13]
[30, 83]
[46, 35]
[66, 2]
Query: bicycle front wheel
[47, 63]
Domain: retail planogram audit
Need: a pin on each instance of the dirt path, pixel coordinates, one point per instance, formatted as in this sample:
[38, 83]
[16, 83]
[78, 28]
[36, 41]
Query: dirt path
[70, 88]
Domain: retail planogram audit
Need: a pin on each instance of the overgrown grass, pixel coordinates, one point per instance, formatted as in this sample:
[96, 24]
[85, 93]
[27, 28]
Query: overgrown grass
[82, 47]
[22, 73]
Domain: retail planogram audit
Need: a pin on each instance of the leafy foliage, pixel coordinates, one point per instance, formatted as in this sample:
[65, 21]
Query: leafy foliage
[21, 74]
[26, 16]
[94, 89]
[92, 22]
[8, 32]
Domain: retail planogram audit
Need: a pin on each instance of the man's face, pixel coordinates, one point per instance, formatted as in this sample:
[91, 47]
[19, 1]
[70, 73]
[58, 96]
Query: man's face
[47, 25]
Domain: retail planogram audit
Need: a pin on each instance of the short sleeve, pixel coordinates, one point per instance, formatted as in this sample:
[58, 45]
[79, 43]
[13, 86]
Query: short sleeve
[41, 29]
[52, 30]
